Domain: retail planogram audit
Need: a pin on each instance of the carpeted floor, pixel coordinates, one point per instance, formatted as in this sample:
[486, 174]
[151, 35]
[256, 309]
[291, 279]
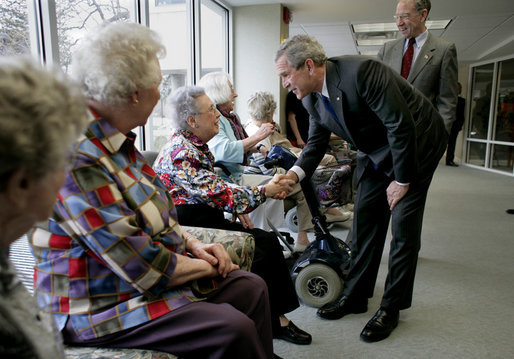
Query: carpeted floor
[464, 292]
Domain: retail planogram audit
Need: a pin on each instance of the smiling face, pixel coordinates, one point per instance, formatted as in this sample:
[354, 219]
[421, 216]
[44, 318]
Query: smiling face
[229, 105]
[301, 81]
[205, 123]
[410, 21]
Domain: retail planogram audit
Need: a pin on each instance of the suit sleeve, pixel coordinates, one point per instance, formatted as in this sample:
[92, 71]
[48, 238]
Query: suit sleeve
[316, 147]
[447, 99]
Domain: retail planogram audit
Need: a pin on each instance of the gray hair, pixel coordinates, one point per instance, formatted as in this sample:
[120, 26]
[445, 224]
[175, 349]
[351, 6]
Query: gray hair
[420, 5]
[116, 61]
[43, 113]
[300, 48]
[182, 103]
[261, 104]
[216, 87]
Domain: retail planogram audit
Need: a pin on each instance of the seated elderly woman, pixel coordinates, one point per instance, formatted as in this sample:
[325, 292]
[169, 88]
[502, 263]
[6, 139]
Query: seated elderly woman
[185, 165]
[111, 261]
[231, 147]
[42, 114]
[261, 108]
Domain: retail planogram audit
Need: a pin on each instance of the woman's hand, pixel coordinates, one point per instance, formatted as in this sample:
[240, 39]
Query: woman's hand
[245, 220]
[213, 253]
[265, 130]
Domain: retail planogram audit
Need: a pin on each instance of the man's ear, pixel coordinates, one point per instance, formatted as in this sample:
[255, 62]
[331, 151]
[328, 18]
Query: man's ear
[18, 188]
[310, 66]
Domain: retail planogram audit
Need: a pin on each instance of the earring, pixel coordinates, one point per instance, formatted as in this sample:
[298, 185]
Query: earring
[136, 101]
[196, 126]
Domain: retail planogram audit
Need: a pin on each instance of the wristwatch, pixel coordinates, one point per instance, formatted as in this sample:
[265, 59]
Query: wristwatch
[258, 148]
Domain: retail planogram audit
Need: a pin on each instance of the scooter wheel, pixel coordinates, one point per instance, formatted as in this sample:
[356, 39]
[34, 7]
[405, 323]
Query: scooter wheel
[318, 284]
[292, 220]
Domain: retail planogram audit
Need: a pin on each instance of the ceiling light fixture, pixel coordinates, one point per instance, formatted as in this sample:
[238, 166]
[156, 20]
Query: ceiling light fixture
[391, 26]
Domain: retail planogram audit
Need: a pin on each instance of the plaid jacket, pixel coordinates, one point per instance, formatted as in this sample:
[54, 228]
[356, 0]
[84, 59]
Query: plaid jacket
[106, 255]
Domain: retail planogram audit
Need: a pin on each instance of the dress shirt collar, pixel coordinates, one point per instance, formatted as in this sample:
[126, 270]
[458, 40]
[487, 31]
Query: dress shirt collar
[420, 41]
[324, 91]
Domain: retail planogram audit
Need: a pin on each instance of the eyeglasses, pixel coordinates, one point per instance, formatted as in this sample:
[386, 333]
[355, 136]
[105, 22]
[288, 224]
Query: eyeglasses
[212, 109]
[401, 16]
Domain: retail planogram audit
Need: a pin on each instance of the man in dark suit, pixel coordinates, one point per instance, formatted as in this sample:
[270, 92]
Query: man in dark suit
[429, 64]
[400, 139]
[456, 127]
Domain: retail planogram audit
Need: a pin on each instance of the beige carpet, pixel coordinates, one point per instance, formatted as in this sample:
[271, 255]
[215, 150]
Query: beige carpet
[464, 292]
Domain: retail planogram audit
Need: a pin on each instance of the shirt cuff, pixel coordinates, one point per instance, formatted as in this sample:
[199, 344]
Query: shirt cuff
[299, 172]
[402, 184]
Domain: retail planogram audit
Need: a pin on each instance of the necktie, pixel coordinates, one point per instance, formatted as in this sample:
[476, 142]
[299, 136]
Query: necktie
[407, 58]
[329, 107]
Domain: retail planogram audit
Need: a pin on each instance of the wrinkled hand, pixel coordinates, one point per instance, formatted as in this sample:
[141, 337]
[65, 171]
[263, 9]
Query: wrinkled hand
[279, 186]
[265, 130]
[213, 253]
[244, 219]
[395, 193]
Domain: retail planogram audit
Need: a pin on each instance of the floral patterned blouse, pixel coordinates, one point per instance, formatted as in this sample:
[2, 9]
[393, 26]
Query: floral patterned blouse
[185, 166]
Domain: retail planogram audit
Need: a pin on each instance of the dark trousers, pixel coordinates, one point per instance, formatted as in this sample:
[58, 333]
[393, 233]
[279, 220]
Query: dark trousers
[268, 261]
[233, 322]
[370, 225]
[452, 141]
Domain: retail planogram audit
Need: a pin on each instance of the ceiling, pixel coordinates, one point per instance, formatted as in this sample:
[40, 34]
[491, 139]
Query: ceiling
[480, 29]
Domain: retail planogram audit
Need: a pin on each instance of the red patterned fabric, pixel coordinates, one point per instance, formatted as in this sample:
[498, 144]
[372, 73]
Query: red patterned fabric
[407, 58]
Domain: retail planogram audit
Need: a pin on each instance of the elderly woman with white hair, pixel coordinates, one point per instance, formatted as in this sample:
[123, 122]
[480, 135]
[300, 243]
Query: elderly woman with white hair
[112, 261]
[185, 165]
[42, 114]
[232, 146]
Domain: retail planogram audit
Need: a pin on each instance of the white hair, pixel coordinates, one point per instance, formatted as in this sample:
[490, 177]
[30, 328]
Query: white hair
[116, 61]
[216, 85]
[181, 104]
[261, 104]
[43, 113]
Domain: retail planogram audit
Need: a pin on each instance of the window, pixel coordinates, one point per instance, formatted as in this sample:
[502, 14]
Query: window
[76, 18]
[213, 30]
[194, 32]
[14, 28]
[184, 64]
[490, 135]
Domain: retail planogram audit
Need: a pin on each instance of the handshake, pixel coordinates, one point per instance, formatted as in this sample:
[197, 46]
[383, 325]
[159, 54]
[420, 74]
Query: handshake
[281, 185]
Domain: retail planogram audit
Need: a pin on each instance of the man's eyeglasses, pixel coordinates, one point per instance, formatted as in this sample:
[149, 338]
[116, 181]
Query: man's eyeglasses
[401, 16]
[212, 109]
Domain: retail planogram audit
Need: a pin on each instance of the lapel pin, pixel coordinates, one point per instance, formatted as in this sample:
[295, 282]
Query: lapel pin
[426, 56]
[338, 98]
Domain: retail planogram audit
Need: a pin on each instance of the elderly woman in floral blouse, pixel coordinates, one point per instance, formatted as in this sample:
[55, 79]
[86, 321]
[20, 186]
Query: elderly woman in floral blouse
[185, 165]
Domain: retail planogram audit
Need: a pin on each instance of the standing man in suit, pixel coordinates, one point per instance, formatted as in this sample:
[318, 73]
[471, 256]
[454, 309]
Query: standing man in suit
[400, 139]
[456, 127]
[427, 62]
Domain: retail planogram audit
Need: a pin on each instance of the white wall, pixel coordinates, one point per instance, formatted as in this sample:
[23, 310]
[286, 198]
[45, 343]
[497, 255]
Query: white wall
[257, 36]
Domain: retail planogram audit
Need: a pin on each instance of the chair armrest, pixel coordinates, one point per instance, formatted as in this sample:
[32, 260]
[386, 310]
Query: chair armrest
[239, 245]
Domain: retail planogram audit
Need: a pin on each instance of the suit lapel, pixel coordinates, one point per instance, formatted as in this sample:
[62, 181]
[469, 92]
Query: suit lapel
[336, 96]
[424, 57]
[397, 55]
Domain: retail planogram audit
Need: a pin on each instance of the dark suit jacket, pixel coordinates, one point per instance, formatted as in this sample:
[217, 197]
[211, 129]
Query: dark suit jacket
[434, 72]
[390, 122]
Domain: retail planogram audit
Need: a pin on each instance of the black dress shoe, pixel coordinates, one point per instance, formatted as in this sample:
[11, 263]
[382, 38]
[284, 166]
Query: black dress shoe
[452, 164]
[341, 307]
[380, 326]
[292, 334]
